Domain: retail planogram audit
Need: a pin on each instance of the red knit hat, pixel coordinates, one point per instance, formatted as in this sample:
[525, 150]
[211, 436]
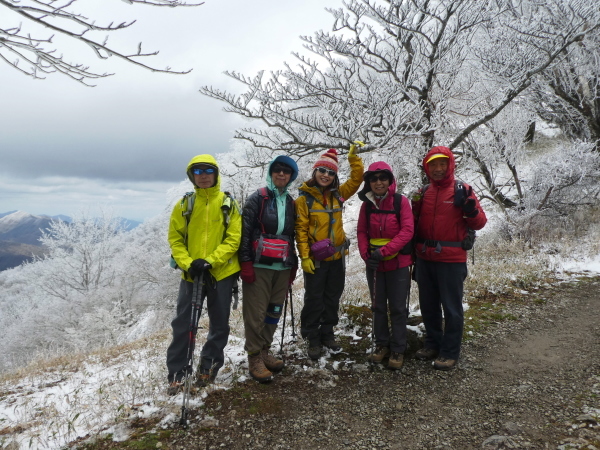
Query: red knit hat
[328, 159]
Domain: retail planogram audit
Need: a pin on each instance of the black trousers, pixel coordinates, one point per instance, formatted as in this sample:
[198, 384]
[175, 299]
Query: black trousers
[322, 293]
[391, 291]
[441, 288]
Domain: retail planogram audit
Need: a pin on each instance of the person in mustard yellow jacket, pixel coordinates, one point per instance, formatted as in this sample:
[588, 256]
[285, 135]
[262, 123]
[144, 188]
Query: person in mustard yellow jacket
[322, 246]
[206, 245]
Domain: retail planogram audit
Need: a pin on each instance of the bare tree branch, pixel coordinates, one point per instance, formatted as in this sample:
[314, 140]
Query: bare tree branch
[19, 49]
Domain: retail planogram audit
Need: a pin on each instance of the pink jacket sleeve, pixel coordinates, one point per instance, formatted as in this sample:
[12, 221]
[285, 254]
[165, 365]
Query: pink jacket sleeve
[362, 233]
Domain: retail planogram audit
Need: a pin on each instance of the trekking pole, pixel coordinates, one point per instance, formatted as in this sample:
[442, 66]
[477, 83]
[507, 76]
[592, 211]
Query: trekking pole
[373, 296]
[292, 313]
[410, 272]
[193, 331]
[283, 326]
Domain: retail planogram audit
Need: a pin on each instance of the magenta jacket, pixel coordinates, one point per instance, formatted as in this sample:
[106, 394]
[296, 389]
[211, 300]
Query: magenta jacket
[385, 225]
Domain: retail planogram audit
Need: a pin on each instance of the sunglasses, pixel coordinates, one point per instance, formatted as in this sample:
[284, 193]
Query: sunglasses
[285, 169]
[382, 177]
[329, 172]
[201, 171]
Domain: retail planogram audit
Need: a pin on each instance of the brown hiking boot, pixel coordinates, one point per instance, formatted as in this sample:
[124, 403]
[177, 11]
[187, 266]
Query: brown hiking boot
[444, 363]
[204, 379]
[257, 369]
[380, 353]
[396, 361]
[271, 363]
[174, 388]
[426, 354]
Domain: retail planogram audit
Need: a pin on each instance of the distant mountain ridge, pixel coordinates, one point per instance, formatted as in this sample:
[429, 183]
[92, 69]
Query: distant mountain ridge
[23, 228]
[20, 233]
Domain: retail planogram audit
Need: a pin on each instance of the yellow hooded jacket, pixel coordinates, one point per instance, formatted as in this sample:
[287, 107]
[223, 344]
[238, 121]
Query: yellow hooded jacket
[206, 228]
[313, 227]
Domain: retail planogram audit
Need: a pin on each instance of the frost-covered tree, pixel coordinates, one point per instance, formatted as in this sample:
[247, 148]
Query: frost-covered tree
[35, 56]
[405, 75]
[569, 97]
[97, 286]
[495, 154]
[386, 73]
[80, 251]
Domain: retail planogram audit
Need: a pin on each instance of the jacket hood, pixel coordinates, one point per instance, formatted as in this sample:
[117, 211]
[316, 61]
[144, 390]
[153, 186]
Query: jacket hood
[451, 165]
[204, 159]
[284, 160]
[378, 166]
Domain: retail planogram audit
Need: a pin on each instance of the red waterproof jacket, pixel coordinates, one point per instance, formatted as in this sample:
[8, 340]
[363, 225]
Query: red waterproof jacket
[437, 219]
[384, 226]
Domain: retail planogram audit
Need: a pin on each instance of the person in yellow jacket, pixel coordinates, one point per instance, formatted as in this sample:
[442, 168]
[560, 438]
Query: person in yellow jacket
[322, 246]
[202, 243]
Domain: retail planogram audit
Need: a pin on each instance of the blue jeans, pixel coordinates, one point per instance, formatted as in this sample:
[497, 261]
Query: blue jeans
[441, 288]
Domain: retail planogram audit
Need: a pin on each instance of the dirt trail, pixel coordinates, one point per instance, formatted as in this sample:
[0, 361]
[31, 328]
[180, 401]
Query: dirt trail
[525, 383]
[520, 385]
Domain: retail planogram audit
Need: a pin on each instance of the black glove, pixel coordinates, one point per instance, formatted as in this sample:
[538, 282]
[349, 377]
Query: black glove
[372, 264]
[376, 255]
[197, 267]
[469, 208]
[461, 195]
[463, 199]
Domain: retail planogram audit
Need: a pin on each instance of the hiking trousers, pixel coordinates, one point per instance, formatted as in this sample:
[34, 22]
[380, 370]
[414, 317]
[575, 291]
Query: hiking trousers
[217, 304]
[441, 288]
[322, 293]
[262, 307]
[391, 291]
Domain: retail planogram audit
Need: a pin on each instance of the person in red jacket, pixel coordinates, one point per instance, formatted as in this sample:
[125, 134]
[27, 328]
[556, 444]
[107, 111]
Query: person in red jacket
[444, 211]
[385, 230]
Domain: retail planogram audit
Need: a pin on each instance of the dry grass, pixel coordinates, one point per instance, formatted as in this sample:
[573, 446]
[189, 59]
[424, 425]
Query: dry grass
[72, 362]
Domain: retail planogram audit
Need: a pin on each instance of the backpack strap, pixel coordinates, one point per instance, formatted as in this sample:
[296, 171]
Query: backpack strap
[226, 207]
[396, 210]
[265, 197]
[310, 201]
[188, 198]
[228, 204]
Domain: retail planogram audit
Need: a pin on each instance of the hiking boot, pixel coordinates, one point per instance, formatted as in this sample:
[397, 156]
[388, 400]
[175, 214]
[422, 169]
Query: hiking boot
[257, 369]
[426, 354]
[444, 363]
[314, 353]
[396, 361]
[271, 363]
[174, 388]
[204, 379]
[380, 353]
[332, 345]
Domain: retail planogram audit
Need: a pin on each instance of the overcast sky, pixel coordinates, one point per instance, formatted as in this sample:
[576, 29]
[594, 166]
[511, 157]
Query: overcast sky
[67, 148]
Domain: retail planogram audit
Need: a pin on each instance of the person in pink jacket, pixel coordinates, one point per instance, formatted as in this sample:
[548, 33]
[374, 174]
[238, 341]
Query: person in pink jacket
[385, 231]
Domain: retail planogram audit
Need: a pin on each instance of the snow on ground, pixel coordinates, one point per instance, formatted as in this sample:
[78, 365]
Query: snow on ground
[46, 409]
[590, 266]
